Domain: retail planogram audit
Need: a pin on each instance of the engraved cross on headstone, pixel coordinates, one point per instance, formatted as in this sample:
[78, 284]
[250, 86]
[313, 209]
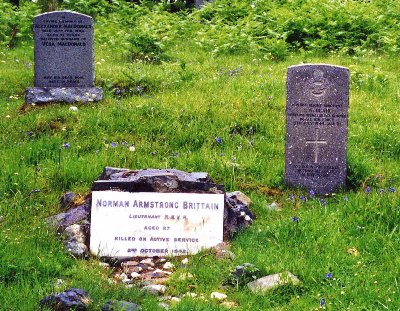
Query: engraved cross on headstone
[316, 142]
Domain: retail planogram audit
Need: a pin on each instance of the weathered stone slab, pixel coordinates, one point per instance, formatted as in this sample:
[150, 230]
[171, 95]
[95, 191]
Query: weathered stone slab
[41, 95]
[271, 281]
[316, 127]
[155, 180]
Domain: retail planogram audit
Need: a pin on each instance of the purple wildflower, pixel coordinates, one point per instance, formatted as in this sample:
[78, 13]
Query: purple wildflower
[367, 189]
[329, 275]
[66, 145]
[322, 302]
[323, 202]
[303, 198]
[218, 140]
[113, 145]
[312, 193]
[295, 219]
[292, 197]
[382, 191]
[391, 189]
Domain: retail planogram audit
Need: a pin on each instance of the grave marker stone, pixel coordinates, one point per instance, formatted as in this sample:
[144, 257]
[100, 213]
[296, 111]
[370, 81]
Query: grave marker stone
[317, 100]
[64, 59]
[154, 223]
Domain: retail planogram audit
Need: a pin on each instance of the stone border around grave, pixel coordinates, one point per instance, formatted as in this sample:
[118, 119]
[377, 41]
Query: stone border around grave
[74, 223]
[42, 95]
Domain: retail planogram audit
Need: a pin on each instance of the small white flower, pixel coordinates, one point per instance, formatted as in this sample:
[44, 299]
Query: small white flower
[73, 108]
[132, 148]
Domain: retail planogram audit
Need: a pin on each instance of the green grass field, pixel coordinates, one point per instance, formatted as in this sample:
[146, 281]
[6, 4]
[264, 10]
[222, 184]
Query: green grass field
[171, 112]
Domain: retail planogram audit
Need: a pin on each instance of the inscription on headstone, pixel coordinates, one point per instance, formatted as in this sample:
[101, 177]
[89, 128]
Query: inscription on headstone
[64, 59]
[154, 224]
[317, 100]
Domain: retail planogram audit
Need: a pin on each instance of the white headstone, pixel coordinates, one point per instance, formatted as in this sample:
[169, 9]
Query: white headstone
[154, 224]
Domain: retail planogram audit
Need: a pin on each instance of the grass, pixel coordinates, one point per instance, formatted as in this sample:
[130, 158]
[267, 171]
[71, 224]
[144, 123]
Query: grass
[172, 112]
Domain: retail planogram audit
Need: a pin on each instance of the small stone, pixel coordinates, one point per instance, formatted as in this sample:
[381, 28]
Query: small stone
[104, 264]
[148, 262]
[66, 200]
[218, 296]
[267, 282]
[71, 299]
[131, 269]
[238, 195]
[184, 261]
[75, 241]
[155, 289]
[58, 283]
[175, 299]
[135, 275]
[274, 206]
[130, 263]
[229, 304]
[162, 260]
[168, 266]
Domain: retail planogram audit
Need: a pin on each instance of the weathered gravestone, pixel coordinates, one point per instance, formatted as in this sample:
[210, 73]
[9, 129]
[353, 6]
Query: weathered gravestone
[316, 127]
[64, 59]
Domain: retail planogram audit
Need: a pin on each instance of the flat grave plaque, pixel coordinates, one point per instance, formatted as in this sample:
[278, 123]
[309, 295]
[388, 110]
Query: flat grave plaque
[154, 224]
[316, 127]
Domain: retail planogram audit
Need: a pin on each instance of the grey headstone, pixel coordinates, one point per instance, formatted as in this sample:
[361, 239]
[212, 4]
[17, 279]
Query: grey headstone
[64, 58]
[317, 100]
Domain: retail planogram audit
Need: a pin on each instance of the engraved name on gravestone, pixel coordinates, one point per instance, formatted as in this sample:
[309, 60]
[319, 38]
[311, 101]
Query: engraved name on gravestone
[64, 58]
[317, 100]
[154, 224]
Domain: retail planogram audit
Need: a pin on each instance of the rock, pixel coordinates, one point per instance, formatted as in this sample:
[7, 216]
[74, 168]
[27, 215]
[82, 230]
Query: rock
[155, 289]
[148, 262]
[71, 299]
[115, 305]
[184, 261]
[66, 200]
[75, 241]
[229, 304]
[104, 264]
[154, 180]
[72, 216]
[191, 295]
[218, 296]
[135, 275]
[175, 299]
[274, 206]
[237, 216]
[58, 283]
[240, 197]
[168, 266]
[244, 271]
[222, 251]
[41, 95]
[268, 282]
